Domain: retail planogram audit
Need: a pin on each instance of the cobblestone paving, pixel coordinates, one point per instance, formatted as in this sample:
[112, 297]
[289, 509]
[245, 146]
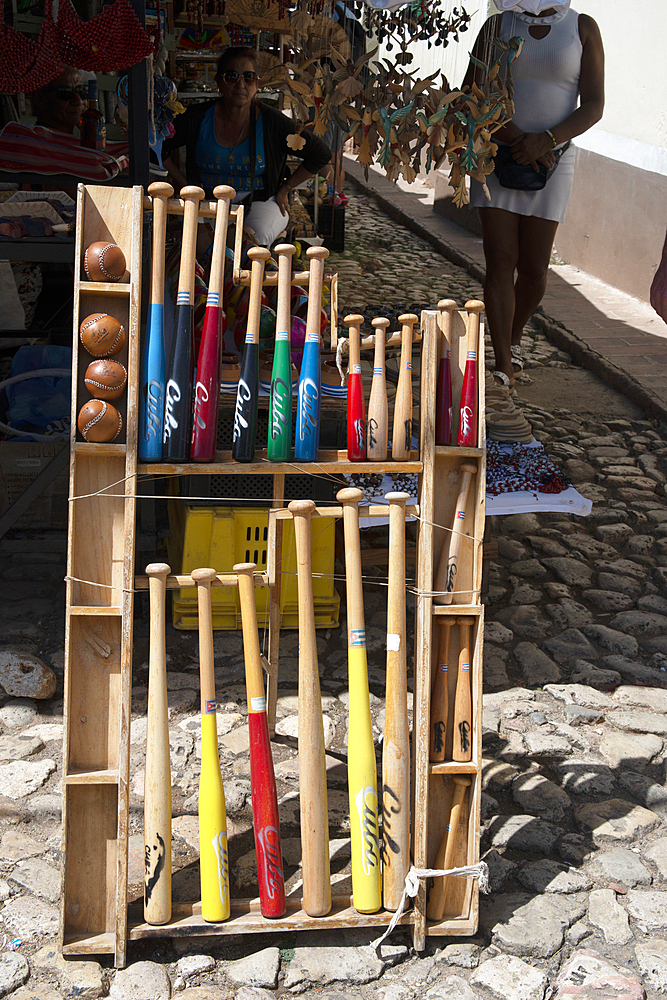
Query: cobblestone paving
[574, 800]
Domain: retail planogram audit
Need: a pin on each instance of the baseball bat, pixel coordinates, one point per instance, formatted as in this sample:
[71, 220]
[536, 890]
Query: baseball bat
[213, 847]
[445, 578]
[435, 907]
[262, 777]
[462, 745]
[377, 431]
[402, 430]
[157, 784]
[207, 382]
[468, 407]
[443, 397]
[247, 395]
[396, 743]
[151, 389]
[312, 766]
[356, 417]
[361, 767]
[279, 446]
[307, 437]
[440, 697]
[178, 388]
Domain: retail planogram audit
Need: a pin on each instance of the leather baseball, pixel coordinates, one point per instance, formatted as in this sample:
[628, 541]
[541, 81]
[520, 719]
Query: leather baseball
[99, 421]
[102, 335]
[105, 379]
[104, 261]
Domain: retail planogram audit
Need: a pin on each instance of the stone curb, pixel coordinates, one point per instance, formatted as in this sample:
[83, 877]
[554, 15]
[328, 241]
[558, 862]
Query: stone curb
[557, 333]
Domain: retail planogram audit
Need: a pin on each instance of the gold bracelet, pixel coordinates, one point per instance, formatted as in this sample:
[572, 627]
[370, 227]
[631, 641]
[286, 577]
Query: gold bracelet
[552, 137]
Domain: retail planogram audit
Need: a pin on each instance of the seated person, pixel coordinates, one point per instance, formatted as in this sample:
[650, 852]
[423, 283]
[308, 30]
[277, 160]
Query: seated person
[239, 141]
[60, 104]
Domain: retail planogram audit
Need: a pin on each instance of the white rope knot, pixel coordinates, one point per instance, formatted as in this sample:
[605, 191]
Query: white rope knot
[480, 871]
[343, 342]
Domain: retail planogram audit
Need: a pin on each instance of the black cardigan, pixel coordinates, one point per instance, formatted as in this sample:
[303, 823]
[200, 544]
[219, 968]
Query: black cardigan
[277, 126]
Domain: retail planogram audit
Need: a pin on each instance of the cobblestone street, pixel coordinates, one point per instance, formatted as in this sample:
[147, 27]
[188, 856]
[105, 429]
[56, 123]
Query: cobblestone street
[574, 801]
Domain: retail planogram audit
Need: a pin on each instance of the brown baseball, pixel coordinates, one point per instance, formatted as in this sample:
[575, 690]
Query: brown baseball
[105, 379]
[99, 421]
[102, 335]
[104, 261]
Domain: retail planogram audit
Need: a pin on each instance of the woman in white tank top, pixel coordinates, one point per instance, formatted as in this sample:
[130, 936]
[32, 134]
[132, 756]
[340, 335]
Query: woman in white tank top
[561, 62]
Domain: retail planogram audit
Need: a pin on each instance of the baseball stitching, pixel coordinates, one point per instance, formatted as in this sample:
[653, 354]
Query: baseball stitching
[99, 416]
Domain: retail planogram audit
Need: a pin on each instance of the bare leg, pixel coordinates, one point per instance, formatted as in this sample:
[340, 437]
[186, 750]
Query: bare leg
[500, 232]
[536, 238]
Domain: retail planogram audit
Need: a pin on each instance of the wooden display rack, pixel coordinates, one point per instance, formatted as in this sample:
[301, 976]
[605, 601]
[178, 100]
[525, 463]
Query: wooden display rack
[95, 916]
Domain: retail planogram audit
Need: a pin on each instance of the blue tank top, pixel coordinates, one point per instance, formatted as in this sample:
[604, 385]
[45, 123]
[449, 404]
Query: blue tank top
[229, 164]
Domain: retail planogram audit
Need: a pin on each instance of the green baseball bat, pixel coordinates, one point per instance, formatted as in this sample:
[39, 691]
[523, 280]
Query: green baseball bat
[279, 445]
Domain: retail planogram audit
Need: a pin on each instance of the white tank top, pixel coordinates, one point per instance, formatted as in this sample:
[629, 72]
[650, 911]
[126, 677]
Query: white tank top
[546, 73]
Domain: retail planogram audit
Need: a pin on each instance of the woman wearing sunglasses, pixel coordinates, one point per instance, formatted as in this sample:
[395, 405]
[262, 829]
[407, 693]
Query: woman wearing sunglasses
[61, 103]
[237, 140]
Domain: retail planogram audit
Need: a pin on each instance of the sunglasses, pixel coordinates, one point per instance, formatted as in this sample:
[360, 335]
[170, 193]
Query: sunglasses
[69, 93]
[232, 75]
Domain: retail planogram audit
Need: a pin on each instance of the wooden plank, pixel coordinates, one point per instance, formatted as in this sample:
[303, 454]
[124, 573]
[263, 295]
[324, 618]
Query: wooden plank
[423, 618]
[328, 462]
[245, 917]
[127, 624]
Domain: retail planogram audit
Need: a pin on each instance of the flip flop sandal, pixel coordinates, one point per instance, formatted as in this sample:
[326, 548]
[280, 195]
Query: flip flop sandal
[504, 382]
[517, 358]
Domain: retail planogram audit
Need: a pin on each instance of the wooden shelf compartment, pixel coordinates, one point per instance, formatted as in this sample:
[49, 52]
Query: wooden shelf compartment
[462, 899]
[468, 581]
[94, 702]
[187, 920]
[89, 877]
[105, 776]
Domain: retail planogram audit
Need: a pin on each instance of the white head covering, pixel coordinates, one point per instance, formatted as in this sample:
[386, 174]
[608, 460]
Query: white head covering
[534, 7]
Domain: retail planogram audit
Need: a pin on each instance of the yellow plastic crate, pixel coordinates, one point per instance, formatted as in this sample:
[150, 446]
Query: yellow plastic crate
[222, 536]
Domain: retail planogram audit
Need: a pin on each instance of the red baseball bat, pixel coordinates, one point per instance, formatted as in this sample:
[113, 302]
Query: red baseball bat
[356, 416]
[443, 398]
[262, 776]
[468, 407]
[207, 382]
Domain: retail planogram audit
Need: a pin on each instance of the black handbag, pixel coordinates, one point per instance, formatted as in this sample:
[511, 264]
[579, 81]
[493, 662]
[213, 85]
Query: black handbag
[522, 177]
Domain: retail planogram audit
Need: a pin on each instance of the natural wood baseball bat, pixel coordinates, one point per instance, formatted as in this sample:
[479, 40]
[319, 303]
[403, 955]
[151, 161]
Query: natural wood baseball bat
[312, 766]
[462, 744]
[468, 408]
[157, 789]
[440, 696]
[396, 743]
[361, 767]
[443, 400]
[437, 896]
[445, 578]
[401, 434]
[378, 422]
[213, 848]
[262, 776]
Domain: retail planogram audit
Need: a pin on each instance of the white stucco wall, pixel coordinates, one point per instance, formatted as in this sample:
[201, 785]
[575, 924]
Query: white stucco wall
[633, 129]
